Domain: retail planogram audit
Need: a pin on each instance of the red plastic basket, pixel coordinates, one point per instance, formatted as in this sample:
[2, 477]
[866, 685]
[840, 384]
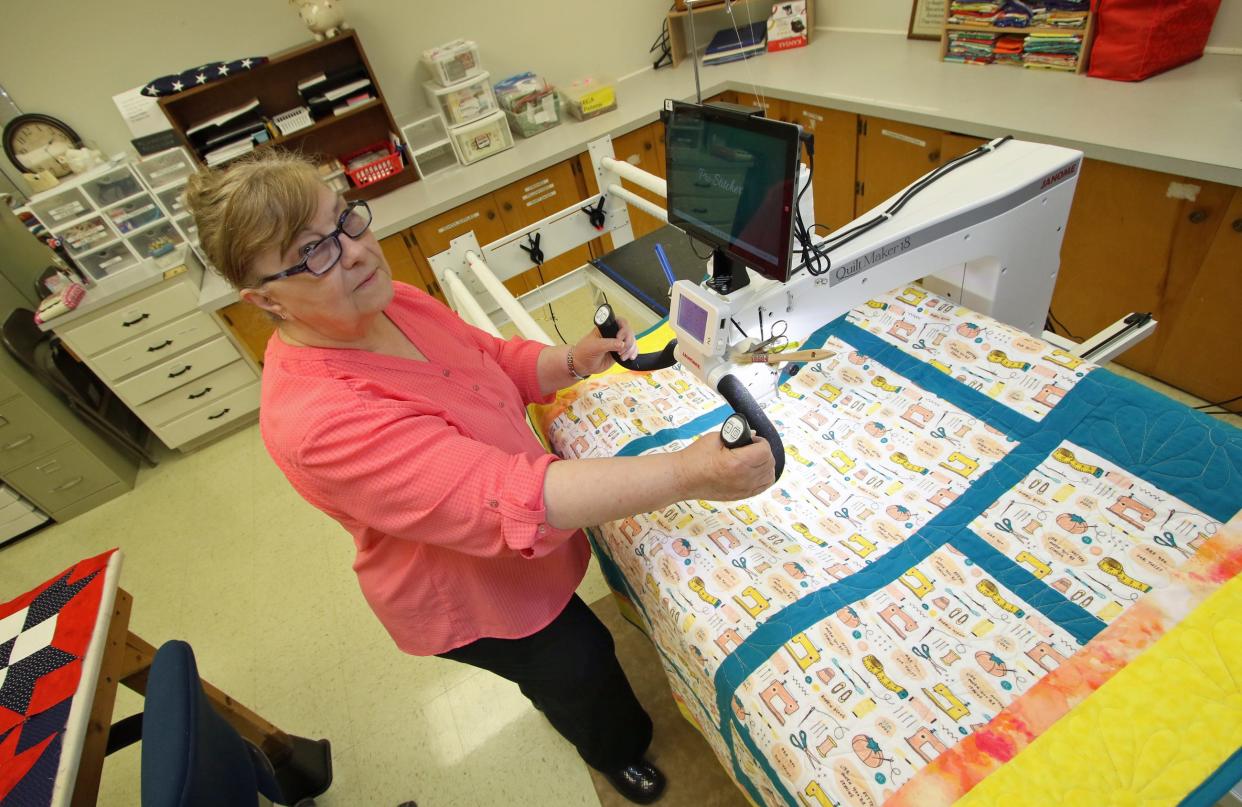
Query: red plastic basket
[373, 172]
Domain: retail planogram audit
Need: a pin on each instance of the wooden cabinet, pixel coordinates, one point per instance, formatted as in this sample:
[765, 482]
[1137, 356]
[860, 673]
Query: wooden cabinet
[536, 197]
[1132, 245]
[1200, 354]
[953, 145]
[407, 264]
[643, 148]
[251, 325]
[836, 143]
[891, 155]
[480, 215]
[773, 108]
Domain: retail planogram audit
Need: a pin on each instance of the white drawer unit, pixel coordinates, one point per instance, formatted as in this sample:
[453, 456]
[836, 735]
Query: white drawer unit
[231, 407]
[168, 375]
[196, 394]
[176, 366]
[127, 319]
[155, 346]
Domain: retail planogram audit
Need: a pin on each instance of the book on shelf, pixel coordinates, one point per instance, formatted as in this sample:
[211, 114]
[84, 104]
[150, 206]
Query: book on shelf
[318, 83]
[245, 112]
[350, 103]
[730, 44]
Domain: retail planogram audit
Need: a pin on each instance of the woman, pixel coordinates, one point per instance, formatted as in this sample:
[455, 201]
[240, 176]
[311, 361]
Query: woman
[392, 415]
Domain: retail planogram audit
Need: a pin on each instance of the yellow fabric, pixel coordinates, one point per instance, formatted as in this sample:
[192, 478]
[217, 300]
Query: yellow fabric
[1152, 734]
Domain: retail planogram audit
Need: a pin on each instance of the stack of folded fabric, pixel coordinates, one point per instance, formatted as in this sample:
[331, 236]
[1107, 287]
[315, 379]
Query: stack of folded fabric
[1015, 14]
[1067, 13]
[973, 47]
[1052, 50]
[965, 12]
[1008, 50]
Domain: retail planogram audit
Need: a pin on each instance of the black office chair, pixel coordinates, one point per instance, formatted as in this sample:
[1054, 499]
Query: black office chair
[47, 360]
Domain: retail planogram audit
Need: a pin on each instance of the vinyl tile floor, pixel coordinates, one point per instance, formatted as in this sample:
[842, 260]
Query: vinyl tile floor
[220, 551]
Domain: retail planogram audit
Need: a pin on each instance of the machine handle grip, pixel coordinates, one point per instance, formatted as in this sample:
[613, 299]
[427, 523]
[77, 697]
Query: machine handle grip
[735, 431]
[738, 397]
[606, 322]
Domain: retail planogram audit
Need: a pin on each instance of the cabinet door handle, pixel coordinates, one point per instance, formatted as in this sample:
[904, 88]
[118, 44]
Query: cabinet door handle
[72, 483]
[160, 346]
[182, 371]
[1198, 216]
[19, 442]
[1237, 225]
[647, 146]
[491, 214]
[194, 395]
[933, 156]
[49, 467]
[507, 206]
[220, 414]
[127, 323]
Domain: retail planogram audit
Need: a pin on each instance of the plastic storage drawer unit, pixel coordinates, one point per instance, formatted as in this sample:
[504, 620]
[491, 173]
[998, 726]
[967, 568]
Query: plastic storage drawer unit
[464, 102]
[483, 138]
[453, 62]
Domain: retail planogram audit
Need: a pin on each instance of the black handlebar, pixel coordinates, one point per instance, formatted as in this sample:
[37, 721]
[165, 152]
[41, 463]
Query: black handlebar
[733, 391]
[645, 362]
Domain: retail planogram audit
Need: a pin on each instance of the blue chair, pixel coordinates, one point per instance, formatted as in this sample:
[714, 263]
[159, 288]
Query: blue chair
[192, 757]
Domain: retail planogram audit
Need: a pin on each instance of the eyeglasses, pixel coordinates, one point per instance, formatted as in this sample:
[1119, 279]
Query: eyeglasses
[320, 256]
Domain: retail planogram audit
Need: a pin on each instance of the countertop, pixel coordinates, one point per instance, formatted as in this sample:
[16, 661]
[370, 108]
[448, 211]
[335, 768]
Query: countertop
[1187, 121]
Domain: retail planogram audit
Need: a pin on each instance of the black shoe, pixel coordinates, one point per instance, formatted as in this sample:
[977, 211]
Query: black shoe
[641, 783]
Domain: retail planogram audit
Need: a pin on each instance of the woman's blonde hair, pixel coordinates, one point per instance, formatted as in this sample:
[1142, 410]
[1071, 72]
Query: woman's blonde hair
[256, 203]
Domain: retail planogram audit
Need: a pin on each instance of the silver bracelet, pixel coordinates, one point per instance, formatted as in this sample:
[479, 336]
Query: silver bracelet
[569, 362]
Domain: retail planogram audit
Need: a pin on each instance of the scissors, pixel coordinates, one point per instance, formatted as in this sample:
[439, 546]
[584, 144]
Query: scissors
[740, 563]
[924, 652]
[799, 741]
[919, 344]
[1169, 542]
[1004, 525]
[641, 550]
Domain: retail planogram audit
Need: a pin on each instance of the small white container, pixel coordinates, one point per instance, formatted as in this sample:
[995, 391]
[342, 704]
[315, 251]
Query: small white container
[463, 102]
[86, 235]
[173, 200]
[113, 258]
[112, 186]
[295, 120]
[156, 240]
[134, 214]
[166, 167]
[483, 138]
[590, 96]
[60, 206]
[428, 145]
[453, 62]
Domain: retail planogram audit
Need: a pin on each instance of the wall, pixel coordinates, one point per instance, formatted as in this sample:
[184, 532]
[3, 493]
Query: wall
[894, 15]
[68, 59]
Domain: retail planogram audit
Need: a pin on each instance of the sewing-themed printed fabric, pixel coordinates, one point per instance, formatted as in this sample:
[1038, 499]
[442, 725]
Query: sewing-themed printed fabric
[1022, 372]
[956, 521]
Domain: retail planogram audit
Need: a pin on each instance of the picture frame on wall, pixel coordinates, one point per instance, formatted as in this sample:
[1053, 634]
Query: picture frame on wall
[927, 19]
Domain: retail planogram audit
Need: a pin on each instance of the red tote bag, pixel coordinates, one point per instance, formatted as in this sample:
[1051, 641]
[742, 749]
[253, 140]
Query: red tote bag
[1135, 39]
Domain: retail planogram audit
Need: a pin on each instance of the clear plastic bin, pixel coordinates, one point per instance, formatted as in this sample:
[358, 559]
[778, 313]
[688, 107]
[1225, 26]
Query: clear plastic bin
[453, 62]
[113, 258]
[590, 96]
[173, 200]
[60, 206]
[483, 138]
[87, 235]
[463, 102]
[530, 103]
[112, 186]
[134, 214]
[166, 167]
[185, 223]
[158, 239]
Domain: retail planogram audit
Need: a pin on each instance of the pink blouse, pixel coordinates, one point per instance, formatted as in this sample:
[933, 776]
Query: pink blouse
[431, 466]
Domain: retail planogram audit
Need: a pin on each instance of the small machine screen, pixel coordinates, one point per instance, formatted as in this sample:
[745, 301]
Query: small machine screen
[731, 181]
[692, 319]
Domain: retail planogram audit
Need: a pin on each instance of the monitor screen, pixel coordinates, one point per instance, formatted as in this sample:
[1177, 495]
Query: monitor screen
[731, 182]
[692, 319]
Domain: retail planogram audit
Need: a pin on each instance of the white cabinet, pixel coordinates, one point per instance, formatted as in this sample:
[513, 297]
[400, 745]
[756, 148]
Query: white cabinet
[175, 366]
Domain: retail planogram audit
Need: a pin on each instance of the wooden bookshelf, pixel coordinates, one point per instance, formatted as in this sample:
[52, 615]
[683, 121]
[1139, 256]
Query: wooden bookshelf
[1084, 50]
[274, 85]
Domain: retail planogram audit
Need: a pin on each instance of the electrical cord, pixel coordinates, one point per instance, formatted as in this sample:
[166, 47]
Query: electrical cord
[1053, 318]
[813, 265]
[1220, 405]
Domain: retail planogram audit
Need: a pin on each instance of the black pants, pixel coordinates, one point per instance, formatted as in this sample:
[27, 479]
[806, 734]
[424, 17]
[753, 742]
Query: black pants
[569, 670]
